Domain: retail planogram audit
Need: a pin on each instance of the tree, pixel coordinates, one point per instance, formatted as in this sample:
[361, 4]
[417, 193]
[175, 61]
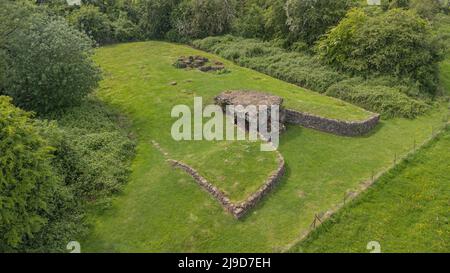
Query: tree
[48, 64]
[94, 23]
[27, 180]
[154, 17]
[309, 19]
[426, 8]
[202, 18]
[260, 19]
[397, 43]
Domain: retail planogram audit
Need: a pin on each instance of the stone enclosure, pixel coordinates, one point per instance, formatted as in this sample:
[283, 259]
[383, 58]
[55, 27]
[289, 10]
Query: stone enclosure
[246, 98]
[333, 126]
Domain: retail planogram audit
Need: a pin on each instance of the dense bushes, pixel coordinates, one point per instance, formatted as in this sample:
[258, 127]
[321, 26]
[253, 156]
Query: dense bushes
[202, 18]
[154, 17]
[309, 19]
[50, 173]
[48, 64]
[91, 132]
[260, 19]
[91, 21]
[377, 98]
[396, 43]
[390, 96]
[28, 183]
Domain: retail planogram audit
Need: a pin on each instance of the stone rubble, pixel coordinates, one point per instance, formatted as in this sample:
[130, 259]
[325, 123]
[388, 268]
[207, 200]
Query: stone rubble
[198, 62]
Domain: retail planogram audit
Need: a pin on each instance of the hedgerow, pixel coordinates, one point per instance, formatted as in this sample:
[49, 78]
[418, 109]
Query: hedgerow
[388, 101]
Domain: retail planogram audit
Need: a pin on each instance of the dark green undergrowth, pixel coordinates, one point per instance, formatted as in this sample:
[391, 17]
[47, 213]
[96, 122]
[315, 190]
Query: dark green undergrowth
[378, 98]
[406, 210]
[96, 149]
[390, 97]
[92, 156]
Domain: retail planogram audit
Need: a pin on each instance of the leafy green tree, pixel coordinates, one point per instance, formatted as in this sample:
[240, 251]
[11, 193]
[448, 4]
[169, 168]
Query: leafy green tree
[108, 7]
[397, 43]
[154, 17]
[124, 29]
[202, 18]
[94, 23]
[27, 181]
[260, 19]
[426, 8]
[309, 19]
[394, 4]
[48, 64]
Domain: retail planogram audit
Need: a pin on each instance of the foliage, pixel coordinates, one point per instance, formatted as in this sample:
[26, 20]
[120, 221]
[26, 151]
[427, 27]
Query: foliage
[389, 101]
[396, 43]
[426, 8]
[391, 96]
[48, 63]
[264, 19]
[28, 183]
[124, 29]
[309, 19]
[94, 23]
[202, 18]
[154, 17]
[91, 131]
[393, 4]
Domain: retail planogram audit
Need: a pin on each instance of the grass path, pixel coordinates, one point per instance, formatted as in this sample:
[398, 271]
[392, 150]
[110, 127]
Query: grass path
[162, 209]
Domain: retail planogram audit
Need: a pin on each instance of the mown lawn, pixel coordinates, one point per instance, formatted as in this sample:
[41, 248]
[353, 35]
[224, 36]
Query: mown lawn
[162, 209]
[406, 211]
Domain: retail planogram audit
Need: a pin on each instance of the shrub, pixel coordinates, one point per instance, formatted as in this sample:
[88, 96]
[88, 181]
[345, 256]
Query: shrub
[49, 65]
[90, 132]
[396, 43]
[388, 101]
[27, 182]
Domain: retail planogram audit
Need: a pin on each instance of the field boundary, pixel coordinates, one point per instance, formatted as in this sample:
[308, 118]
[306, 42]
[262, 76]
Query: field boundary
[319, 219]
[333, 126]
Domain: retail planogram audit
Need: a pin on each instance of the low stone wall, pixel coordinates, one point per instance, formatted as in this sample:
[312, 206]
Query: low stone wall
[333, 126]
[237, 210]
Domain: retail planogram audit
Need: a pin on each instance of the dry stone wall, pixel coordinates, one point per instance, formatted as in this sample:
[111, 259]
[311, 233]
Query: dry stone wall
[240, 209]
[333, 126]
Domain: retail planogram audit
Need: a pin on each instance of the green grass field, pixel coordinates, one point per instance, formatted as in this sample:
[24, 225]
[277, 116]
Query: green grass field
[406, 211]
[163, 210]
